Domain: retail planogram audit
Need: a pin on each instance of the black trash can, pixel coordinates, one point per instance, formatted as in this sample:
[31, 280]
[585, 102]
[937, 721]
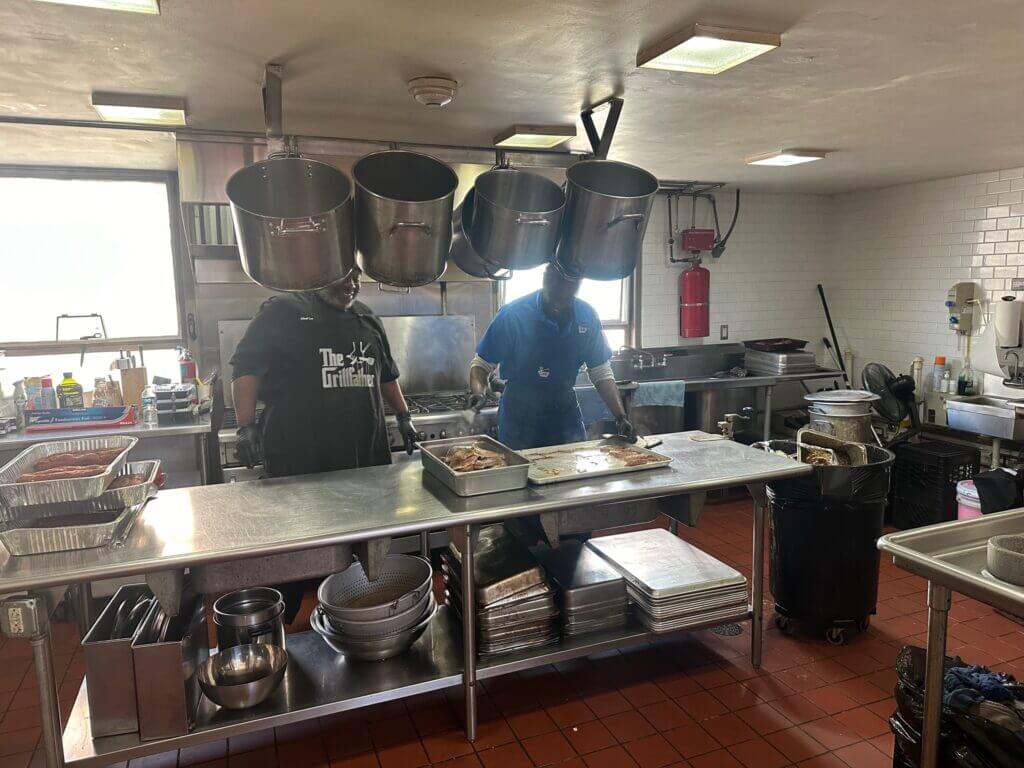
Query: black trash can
[824, 562]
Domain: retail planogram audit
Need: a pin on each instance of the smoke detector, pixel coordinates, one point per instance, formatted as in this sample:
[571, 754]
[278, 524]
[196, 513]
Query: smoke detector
[433, 91]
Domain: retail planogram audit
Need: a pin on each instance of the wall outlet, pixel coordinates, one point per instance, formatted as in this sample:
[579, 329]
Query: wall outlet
[723, 332]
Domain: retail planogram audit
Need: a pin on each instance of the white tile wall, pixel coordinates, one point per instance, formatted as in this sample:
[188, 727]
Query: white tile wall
[886, 258]
[897, 251]
[764, 284]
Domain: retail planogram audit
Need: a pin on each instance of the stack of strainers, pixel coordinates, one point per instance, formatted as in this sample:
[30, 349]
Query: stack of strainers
[515, 605]
[375, 620]
[591, 593]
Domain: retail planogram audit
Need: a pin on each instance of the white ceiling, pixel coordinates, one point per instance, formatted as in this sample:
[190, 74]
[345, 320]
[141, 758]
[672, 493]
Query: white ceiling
[901, 90]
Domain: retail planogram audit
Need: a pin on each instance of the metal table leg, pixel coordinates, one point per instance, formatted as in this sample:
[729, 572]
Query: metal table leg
[997, 447]
[469, 634]
[42, 656]
[83, 607]
[938, 615]
[757, 491]
[425, 544]
[768, 412]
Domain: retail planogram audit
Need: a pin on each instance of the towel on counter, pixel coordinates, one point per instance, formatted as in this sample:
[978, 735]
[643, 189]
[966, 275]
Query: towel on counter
[670, 393]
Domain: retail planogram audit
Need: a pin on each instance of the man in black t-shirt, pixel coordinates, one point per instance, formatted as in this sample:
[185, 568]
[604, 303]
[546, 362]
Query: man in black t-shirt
[321, 364]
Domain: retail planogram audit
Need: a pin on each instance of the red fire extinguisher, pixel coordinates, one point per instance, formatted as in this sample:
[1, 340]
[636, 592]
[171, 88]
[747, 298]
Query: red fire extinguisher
[694, 293]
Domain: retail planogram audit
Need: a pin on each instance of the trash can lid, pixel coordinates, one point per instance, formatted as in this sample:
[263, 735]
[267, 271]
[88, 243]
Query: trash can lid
[966, 489]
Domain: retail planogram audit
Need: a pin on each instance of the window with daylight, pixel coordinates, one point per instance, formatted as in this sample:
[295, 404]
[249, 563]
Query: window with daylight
[608, 297]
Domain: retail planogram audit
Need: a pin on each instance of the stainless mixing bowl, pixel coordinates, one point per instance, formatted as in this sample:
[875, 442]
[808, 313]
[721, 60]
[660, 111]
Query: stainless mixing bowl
[243, 676]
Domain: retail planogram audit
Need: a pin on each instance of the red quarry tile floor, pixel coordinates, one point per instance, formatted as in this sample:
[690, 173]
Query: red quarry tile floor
[691, 702]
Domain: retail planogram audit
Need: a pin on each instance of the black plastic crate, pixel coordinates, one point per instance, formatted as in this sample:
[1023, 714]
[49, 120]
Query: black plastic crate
[924, 481]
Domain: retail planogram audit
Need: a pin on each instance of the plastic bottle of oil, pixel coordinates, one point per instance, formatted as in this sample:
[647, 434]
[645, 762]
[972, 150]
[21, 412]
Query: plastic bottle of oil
[69, 392]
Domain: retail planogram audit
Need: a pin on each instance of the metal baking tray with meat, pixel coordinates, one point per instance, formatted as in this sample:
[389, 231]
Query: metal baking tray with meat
[16, 493]
[61, 534]
[592, 458]
[509, 475]
[134, 486]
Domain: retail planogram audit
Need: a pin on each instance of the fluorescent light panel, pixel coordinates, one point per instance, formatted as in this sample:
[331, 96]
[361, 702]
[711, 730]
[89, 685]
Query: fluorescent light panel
[124, 108]
[707, 50]
[134, 6]
[535, 136]
[785, 157]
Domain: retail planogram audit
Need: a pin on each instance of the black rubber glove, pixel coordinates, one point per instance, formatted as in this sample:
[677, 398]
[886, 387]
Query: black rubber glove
[624, 429]
[476, 401]
[249, 448]
[408, 432]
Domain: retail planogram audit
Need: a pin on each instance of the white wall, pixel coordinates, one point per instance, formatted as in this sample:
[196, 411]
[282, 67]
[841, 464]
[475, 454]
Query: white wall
[899, 250]
[764, 284]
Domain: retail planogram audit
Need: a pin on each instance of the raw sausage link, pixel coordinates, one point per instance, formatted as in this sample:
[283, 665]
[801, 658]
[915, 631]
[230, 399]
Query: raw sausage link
[63, 473]
[77, 459]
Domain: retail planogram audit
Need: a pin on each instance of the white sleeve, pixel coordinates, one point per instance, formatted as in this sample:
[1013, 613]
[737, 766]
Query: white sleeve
[602, 372]
[479, 362]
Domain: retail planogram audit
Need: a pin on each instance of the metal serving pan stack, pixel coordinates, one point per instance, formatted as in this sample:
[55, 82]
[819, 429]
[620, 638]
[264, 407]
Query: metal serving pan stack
[592, 595]
[779, 363]
[515, 605]
[674, 584]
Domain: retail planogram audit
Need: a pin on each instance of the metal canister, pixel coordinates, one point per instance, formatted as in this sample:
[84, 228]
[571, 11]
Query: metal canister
[249, 616]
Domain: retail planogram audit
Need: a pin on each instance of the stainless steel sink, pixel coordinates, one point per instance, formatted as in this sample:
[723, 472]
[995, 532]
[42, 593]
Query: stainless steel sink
[982, 415]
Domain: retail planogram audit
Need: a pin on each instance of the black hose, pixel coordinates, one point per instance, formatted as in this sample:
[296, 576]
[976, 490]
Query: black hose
[720, 245]
[835, 339]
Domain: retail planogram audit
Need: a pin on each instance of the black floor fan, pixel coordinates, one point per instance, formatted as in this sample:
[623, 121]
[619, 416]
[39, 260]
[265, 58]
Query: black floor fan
[897, 399]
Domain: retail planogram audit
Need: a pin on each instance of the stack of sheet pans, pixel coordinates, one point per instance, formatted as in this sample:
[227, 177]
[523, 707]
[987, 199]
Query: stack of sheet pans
[515, 605]
[592, 595]
[674, 584]
[779, 363]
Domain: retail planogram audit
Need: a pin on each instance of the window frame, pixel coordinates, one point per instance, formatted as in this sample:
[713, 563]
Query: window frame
[83, 346]
[625, 321]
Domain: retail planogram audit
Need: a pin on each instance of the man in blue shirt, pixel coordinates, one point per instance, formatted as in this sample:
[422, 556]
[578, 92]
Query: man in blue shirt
[541, 341]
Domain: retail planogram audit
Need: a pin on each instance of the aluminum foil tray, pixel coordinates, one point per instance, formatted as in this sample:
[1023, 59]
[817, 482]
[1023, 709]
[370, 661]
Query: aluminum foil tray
[580, 461]
[658, 564]
[111, 499]
[62, 538]
[15, 494]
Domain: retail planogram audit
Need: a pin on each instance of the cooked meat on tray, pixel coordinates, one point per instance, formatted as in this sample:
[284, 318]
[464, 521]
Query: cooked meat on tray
[62, 473]
[470, 458]
[629, 455]
[77, 459]
[127, 481]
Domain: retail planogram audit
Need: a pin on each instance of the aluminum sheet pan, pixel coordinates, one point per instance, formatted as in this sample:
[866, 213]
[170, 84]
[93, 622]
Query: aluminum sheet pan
[724, 615]
[15, 494]
[580, 461]
[502, 565]
[659, 564]
[583, 577]
[111, 499]
[508, 478]
[658, 613]
[63, 538]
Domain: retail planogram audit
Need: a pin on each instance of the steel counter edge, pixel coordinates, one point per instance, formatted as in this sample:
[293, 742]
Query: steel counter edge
[363, 504]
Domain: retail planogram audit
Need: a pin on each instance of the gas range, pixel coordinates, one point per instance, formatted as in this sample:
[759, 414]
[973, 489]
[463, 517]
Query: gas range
[438, 416]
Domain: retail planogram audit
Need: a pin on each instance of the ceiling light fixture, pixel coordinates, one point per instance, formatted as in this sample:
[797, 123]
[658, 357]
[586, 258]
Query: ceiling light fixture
[535, 136]
[133, 6]
[125, 108]
[707, 50]
[787, 157]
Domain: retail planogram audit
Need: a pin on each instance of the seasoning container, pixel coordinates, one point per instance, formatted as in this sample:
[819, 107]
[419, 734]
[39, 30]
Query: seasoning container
[939, 370]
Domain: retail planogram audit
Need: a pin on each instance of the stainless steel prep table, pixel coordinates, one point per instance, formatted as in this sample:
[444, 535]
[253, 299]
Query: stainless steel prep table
[211, 524]
[953, 558]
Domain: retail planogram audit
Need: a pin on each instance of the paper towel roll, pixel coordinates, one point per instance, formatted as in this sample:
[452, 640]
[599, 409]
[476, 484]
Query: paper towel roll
[984, 355]
[1007, 322]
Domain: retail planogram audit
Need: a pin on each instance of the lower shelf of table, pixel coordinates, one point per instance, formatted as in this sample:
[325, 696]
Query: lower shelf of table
[320, 682]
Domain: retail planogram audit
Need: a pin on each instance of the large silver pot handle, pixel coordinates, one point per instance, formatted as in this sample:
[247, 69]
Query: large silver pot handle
[393, 289]
[521, 219]
[635, 217]
[410, 225]
[296, 227]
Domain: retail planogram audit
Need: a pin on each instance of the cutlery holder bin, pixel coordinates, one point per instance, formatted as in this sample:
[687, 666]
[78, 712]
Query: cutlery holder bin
[167, 689]
[110, 669]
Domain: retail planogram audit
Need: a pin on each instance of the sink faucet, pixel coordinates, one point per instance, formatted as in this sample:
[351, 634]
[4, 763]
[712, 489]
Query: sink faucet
[638, 357]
